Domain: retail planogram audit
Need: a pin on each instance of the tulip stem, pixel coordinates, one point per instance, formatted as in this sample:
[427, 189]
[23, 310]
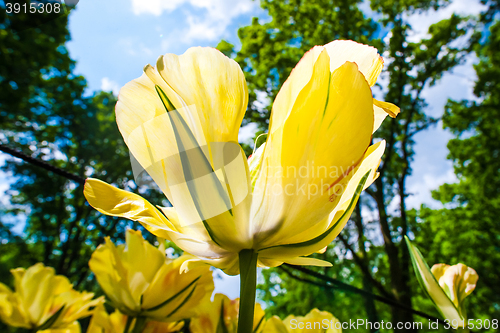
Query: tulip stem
[248, 284]
[127, 325]
[140, 322]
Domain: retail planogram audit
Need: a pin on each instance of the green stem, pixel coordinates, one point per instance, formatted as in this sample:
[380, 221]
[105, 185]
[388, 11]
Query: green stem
[127, 325]
[248, 284]
[140, 322]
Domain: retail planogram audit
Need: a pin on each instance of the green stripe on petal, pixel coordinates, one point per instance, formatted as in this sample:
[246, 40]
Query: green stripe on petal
[154, 308]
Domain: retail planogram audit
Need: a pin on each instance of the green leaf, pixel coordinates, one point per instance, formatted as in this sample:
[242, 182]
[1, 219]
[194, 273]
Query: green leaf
[431, 286]
[49, 322]
[221, 326]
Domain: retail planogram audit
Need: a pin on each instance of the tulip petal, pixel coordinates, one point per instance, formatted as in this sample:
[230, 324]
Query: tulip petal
[214, 83]
[11, 311]
[112, 201]
[189, 81]
[337, 107]
[359, 180]
[339, 217]
[431, 287]
[141, 272]
[391, 109]
[275, 325]
[190, 288]
[111, 274]
[369, 62]
[74, 327]
[139, 106]
[193, 239]
[305, 261]
[312, 245]
[299, 77]
[457, 281]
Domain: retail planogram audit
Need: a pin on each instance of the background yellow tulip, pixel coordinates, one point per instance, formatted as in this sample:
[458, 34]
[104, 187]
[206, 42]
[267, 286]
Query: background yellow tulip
[221, 315]
[115, 322]
[140, 281]
[315, 322]
[43, 300]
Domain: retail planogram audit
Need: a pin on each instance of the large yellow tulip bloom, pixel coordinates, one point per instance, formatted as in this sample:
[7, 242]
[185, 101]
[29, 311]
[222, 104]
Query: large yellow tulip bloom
[44, 301]
[447, 286]
[141, 282]
[315, 322]
[180, 121]
[221, 315]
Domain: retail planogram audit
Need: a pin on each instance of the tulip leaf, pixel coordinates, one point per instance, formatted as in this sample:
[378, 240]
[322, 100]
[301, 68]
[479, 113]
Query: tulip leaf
[49, 322]
[431, 286]
[154, 308]
[261, 321]
[319, 238]
[221, 326]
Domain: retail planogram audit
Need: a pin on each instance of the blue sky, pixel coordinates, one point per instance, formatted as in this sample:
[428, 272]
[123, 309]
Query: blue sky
[112, 40]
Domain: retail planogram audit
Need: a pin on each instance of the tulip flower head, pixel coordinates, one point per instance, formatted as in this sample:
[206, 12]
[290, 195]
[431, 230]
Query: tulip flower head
[447, 286]
[181, 119]
[221, 315]
[140, 281]
[116, 322]
[43, 301]
[315, 322]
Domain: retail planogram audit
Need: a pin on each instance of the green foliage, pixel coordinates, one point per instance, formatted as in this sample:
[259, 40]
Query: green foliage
[45, 113]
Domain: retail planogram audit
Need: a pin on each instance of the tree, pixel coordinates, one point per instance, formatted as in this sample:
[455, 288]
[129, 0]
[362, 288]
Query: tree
[46, 114]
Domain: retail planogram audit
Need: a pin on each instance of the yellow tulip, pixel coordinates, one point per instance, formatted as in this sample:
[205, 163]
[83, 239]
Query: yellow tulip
[221, 315]
[180, 121]
[141, 282]
[116, 322]
[160, 327]
[44, 301]
[315, 321]
[447, 286]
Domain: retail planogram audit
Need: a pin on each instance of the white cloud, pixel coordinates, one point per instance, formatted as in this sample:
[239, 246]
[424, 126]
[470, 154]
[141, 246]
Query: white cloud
[420, 192]
[154, 7]
[211, 25]
[109, 85]
[247, 133]
[420, 22]
[227, 284]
